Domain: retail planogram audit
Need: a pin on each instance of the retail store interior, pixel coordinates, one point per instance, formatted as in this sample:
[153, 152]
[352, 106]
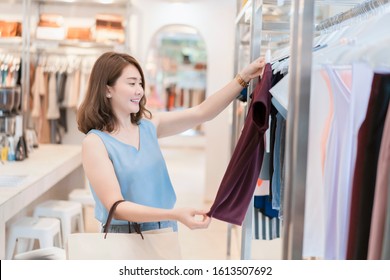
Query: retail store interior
[188, 50]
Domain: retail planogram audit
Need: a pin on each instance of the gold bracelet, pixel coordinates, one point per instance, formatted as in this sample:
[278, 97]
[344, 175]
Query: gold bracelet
[241, 81]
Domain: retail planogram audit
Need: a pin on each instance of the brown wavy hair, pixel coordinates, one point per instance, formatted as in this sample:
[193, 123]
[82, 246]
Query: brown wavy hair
[95, 112]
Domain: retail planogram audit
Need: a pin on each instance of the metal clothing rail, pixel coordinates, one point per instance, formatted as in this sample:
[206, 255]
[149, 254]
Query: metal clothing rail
[364, 8]
[297, 127]
[255, 51]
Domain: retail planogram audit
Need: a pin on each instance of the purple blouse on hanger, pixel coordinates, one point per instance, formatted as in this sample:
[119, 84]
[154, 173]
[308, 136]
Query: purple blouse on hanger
[239, 182]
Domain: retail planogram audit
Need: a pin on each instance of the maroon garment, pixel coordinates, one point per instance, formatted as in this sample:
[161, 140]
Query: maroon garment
[239, 182]
[364, 179]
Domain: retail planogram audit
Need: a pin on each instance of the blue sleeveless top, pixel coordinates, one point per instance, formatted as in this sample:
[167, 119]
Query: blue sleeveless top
[142, 174]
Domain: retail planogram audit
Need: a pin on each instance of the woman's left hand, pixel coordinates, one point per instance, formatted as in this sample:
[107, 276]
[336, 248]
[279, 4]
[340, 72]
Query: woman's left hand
[192, 218]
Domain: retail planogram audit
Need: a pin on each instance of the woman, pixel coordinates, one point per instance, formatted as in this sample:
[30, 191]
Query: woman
[120, 153]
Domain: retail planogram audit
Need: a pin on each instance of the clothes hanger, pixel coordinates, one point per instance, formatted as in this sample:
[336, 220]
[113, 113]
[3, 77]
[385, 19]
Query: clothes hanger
[377, 54]
[341, 34]
[368, 40]
[368, 26]
[347, 40]
[281, 64]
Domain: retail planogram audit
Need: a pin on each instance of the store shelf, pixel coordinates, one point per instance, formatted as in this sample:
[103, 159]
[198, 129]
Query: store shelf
[111, 3]
[47, 44]
[12, 1]
[72, 15]
[10, 42]
[244, 11]
[276, 27]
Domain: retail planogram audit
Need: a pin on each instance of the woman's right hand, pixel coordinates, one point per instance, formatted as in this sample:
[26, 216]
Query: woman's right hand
[192, 218]
[253, 70]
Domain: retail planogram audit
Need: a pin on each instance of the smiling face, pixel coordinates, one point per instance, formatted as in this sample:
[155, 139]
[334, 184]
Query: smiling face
[126, 93]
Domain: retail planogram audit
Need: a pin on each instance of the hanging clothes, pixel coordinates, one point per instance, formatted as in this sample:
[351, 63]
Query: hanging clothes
[337, 161]
[386, 239]
[381, 195]
[314, 220]
[38, 89]
[39, 93]
[364, 179]
[276, 77]
[279, 89]
[361, 89]
[267, 224]
[238, 184]
[84, 79]
[74, 89]
[266, 228]
[267, 218]
[337, 108]
[278, 163]
[53, 111]
[61, 77]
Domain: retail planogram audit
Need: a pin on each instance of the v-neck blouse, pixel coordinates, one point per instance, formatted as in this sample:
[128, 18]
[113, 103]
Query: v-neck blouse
[142, 174]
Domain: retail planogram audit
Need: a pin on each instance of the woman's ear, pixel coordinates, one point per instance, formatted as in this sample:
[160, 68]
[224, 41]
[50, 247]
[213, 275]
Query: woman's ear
[108, 92]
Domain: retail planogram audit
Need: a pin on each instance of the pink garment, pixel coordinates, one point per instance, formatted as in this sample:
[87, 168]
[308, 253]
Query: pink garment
[381, 194]
[74, 90]
[53, 110]
[38, 90]
[325, 133]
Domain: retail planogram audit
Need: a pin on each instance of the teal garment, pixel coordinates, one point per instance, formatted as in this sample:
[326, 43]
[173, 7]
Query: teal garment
[142, 174]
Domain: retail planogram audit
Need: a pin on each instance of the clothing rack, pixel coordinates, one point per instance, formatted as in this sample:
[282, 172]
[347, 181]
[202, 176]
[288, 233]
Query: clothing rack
[361, 9]
[298, 115]
[255, 49]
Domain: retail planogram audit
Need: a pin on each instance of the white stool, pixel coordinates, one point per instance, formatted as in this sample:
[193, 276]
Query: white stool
[46, 230]
[66, 211]
[50, 253]
[84, 196]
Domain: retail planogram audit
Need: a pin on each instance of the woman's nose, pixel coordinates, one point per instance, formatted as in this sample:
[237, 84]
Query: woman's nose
[139, 90]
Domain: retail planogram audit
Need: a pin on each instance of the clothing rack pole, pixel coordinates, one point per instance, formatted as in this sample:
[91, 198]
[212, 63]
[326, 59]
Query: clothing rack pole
[234, 124]
[297, 127]
[255, 29]
[25, 79]
[360, 9]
